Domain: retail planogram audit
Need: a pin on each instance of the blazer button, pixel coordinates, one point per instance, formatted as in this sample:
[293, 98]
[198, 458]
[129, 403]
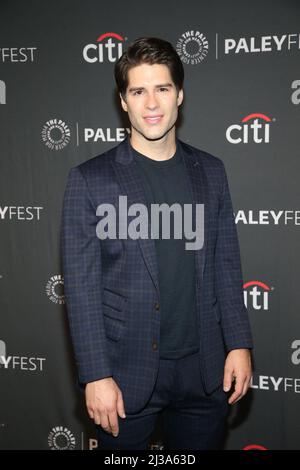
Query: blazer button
[156, 305]
[154, 346]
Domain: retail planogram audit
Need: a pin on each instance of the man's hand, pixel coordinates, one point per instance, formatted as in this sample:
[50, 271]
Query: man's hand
[237, 368]
[104, 403]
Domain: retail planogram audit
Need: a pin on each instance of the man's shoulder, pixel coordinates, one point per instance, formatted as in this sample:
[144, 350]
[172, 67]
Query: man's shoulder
[99, 163]
[102, 162]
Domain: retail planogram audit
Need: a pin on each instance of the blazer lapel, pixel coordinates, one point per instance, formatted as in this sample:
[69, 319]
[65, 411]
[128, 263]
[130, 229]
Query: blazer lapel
[199, 189]
[131, 183]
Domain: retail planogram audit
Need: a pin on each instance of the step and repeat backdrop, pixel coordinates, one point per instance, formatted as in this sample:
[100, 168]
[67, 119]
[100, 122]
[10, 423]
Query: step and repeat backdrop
[59, 107]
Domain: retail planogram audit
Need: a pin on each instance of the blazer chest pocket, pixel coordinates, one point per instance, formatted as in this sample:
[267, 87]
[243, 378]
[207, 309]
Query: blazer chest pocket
[114, 329]
[113, 305]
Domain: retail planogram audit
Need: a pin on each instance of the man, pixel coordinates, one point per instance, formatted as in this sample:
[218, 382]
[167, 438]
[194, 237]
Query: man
[155, 326]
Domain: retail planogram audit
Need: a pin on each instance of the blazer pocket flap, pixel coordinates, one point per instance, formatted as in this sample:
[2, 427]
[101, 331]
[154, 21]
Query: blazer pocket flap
[113, 299]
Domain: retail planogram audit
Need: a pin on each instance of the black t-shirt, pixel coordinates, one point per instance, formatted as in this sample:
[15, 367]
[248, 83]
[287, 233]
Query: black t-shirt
[167, 182]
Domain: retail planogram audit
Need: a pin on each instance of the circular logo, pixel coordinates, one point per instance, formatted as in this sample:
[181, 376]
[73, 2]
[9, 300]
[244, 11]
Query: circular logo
[192, 47]
[61, 438]
[56, 134]
[54, 289]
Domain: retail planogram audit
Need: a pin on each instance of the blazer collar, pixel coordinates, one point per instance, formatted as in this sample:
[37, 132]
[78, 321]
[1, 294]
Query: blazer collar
[124, 153]
[130, 181]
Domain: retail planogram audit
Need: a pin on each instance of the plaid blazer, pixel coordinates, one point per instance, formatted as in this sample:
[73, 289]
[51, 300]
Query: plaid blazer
[111, 286]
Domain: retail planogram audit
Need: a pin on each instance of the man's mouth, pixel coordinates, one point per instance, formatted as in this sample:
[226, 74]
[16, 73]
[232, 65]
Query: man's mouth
[153, 119]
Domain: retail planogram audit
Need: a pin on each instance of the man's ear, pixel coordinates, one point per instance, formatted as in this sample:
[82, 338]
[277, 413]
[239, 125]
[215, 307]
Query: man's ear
[180, 97]
[123, 103]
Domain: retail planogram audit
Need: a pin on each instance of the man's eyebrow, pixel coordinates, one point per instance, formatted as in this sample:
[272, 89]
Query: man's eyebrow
[156, 86]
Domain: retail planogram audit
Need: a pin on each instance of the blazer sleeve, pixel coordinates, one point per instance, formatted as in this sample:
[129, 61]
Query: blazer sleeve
[229, 284]
[81, 258]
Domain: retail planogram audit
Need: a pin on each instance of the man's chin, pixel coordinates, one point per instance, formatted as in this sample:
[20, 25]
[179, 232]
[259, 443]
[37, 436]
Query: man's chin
[151, 138]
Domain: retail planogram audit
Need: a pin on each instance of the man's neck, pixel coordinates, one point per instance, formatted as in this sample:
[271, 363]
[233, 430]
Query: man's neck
[162, 149]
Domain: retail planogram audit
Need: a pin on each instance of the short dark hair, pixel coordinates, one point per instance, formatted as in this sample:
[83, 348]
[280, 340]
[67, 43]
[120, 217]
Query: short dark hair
[148, 51]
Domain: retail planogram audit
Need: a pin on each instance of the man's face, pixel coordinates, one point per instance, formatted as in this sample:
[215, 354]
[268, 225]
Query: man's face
[151, 101]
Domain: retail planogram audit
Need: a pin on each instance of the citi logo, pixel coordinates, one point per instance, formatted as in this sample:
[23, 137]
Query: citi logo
[254, 128]
[2, 92]
[256, 295]
[109, 46]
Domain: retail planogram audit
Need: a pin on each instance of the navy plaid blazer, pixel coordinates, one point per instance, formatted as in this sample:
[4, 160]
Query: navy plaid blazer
[111, 285]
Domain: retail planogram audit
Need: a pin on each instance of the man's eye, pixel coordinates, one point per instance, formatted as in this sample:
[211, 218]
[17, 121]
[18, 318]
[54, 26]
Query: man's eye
[137, 92]
[163, 89]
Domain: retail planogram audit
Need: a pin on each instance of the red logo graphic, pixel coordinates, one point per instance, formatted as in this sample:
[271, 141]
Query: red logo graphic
[254, 447]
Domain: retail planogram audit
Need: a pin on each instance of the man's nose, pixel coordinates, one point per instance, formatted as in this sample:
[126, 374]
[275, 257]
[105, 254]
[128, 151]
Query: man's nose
[151, 101]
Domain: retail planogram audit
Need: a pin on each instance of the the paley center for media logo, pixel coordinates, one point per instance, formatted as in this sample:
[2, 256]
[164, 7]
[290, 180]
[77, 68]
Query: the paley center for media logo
[108, 47]
[192, 47]
[56, 134]
[61, 438]
[54, 289]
